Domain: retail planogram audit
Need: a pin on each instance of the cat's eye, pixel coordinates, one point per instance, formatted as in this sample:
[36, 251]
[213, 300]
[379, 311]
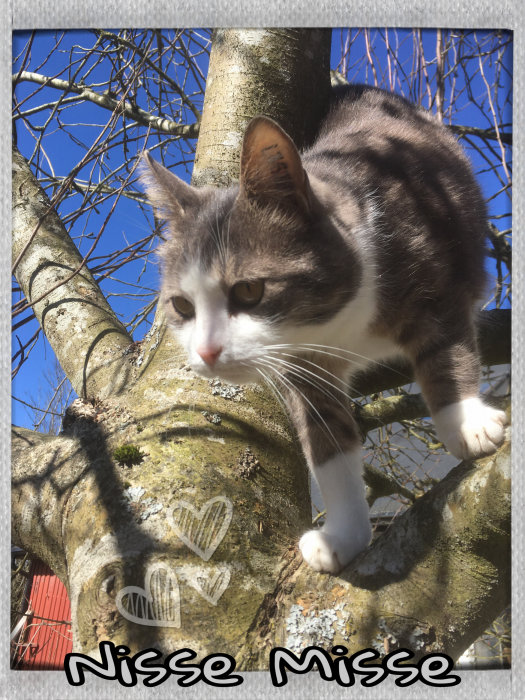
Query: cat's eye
[247, 293]
[183, 307]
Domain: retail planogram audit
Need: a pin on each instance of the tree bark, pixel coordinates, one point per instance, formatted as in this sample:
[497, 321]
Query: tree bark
[100, 524]
[73, 502]
[431, 583]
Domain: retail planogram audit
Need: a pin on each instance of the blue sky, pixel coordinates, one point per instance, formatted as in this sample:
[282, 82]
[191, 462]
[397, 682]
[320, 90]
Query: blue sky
[128, 223]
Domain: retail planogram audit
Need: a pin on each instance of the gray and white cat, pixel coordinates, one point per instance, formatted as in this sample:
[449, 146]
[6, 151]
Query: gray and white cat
[369, 245]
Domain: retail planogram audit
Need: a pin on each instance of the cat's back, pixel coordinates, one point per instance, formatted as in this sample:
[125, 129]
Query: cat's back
[361, 108]
[384, 133]
[386, 155]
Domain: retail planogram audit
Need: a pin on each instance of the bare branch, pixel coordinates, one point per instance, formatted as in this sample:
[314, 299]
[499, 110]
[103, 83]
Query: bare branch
[491, 134]
[134, 112]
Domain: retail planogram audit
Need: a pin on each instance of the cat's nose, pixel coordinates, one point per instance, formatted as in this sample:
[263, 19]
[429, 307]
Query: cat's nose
[210, 355]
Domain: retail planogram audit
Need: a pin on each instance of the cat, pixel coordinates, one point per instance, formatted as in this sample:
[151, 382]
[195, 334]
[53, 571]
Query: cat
[368, 246]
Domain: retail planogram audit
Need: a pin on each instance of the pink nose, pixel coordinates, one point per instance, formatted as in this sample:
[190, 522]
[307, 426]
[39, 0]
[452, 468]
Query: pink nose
[210, 355]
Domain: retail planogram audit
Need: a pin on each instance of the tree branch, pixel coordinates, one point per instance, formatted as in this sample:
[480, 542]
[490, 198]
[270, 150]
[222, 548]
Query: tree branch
[389, 410]
[188, 131]
[425, 584]
[491, 134]
[118, 40]
[81, 327]
[264, 71]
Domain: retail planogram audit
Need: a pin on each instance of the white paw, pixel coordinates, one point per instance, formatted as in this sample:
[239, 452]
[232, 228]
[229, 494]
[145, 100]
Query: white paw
[470, 429]
[330, 553]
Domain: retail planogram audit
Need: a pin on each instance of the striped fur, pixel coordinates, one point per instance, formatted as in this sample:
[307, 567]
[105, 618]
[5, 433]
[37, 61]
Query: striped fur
[369, 245]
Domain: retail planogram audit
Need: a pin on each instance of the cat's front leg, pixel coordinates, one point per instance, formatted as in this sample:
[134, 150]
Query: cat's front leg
[448, 370]
[332, 445]
[346, 530]
[469, 428]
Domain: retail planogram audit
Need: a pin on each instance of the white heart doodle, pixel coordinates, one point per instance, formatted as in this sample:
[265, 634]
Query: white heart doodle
[210, 582]
[157, 604]
[202, 531]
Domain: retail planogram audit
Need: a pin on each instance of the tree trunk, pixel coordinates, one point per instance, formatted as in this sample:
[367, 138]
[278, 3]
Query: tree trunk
[281, 73]
[202, 511]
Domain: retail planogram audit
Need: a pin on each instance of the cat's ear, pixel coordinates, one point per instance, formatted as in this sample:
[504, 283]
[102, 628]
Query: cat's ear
[271, 167]
[170, 196]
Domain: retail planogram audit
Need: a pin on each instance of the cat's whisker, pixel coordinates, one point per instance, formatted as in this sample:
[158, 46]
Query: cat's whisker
[315, 347]
[217, 234]
[346, 384]
[217, 237]
[291, 387]
[227, 242]
[314, 413]
[273, 388]
[312, 410]
[322, 369]
[300, 372]
[299, 349]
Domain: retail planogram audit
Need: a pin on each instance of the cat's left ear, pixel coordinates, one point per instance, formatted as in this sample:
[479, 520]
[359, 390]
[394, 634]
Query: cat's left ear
[271, 167]
[171, 197]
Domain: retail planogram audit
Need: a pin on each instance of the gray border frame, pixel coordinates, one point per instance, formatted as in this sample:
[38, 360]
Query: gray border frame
[53, 14]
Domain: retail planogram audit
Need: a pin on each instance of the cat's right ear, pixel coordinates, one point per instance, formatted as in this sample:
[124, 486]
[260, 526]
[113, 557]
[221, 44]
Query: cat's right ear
[271, 167]
[170, 196]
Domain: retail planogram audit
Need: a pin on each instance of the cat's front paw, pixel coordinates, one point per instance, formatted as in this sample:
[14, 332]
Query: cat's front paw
[329, 553]
[470, 429]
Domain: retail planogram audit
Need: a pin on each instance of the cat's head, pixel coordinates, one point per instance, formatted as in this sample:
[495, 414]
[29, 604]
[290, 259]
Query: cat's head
[250, 266]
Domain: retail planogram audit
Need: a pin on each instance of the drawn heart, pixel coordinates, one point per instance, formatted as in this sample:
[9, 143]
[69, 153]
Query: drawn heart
[210, 582]
[157, 604]
[202, 531]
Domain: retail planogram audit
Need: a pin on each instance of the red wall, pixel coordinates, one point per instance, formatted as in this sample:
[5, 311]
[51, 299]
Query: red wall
[48, 630]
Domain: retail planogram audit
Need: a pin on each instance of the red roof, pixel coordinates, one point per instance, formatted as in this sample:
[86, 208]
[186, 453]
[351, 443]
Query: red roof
[46, 637]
